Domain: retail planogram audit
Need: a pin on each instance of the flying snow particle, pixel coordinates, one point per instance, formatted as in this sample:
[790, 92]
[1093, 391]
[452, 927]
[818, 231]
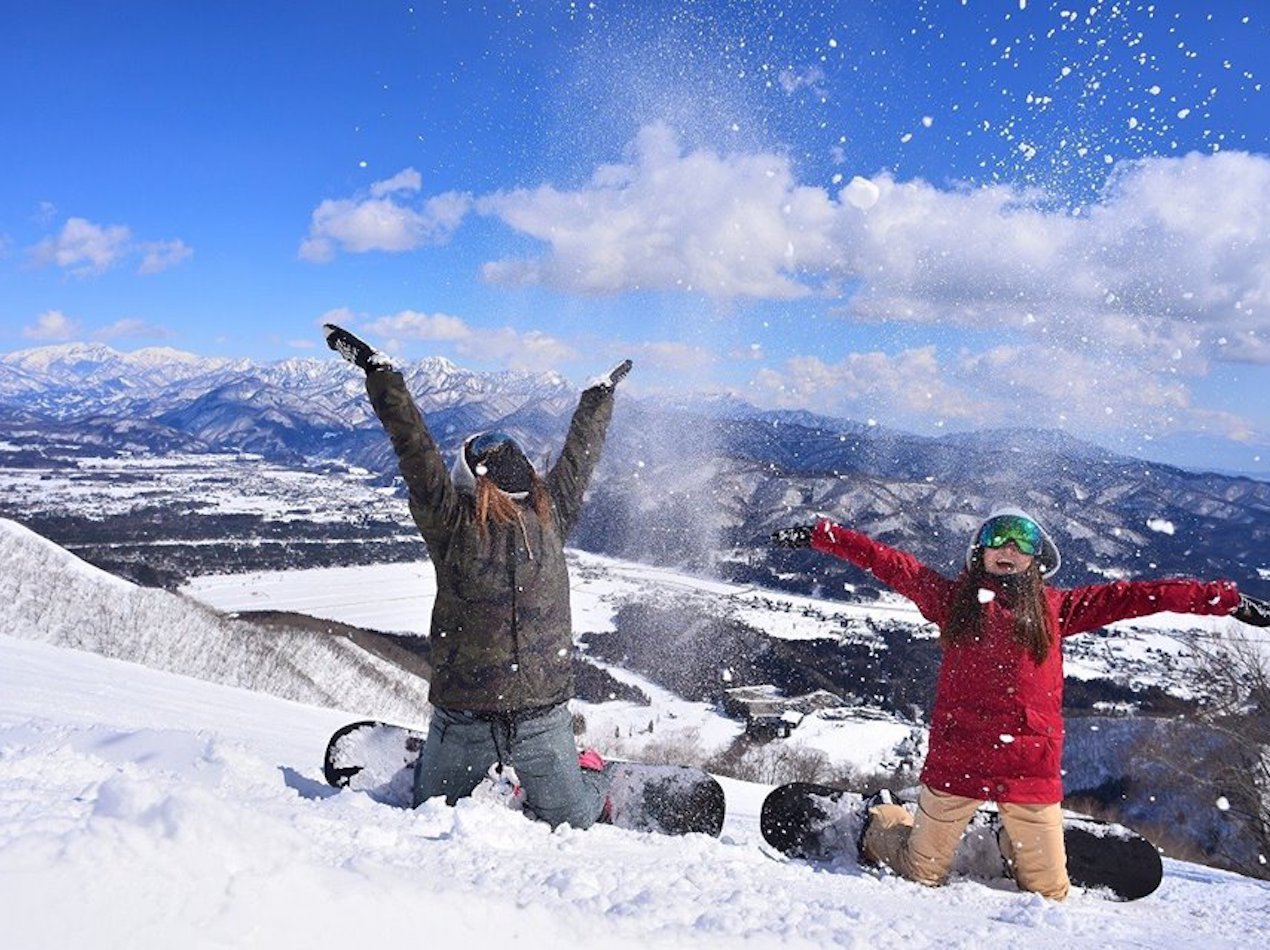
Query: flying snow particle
[1161, 525]
[986, 596]
[1005, 738]
[1183, 113]
[861, 193]
[928, 121]
[1222, 803]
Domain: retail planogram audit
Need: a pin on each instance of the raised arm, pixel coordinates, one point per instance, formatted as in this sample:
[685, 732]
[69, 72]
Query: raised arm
[432, 494]
[899, 570]
[1088, 608]
[568, 479]
[433, 497]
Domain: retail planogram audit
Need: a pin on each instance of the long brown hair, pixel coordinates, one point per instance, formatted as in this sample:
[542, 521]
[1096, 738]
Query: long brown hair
[494, 504]
[1027, 603]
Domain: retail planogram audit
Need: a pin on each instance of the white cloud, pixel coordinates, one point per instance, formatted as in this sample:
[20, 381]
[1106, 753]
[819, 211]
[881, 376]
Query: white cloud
[910, 385]
[530, 351]
[85, 249]
[672, 356]
[383, 220]
[52, 325]
[1175, 258]
[1173, 265]
[160, 255]
[725, 226]
[412, 325]
[405, 180]
[131, 327]
[1006, 386]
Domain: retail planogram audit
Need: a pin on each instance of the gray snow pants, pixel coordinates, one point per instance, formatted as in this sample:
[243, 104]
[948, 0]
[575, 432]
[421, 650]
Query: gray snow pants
[461, 747]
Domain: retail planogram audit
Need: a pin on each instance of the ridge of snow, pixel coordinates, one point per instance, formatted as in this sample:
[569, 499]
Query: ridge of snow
[48, 594]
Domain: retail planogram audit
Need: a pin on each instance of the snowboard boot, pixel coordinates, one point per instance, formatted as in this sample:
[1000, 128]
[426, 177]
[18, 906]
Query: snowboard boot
[880, 797]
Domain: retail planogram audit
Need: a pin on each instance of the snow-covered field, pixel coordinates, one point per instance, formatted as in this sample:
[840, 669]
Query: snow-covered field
[144, 809]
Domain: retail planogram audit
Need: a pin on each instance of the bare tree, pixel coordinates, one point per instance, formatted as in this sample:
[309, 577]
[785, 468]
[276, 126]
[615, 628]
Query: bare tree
[1234, 674]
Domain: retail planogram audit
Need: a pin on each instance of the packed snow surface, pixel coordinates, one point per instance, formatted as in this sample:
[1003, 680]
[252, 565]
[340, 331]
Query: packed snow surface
[140, 808]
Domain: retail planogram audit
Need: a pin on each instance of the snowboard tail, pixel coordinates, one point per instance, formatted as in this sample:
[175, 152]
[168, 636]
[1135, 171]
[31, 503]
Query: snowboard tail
[820, 823]
[379, 758]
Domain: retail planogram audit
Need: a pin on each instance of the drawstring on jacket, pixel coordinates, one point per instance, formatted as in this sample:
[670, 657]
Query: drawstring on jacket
[524, 533]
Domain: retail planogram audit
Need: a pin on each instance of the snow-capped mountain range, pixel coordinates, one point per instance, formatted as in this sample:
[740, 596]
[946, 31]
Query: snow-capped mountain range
[695, 482]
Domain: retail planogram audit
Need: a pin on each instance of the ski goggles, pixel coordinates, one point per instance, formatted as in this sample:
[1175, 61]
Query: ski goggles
[1002, 530]
[488, 443]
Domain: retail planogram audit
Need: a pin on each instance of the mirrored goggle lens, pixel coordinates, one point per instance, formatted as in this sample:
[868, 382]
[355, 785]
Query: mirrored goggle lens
[488, 442]
[999, 532]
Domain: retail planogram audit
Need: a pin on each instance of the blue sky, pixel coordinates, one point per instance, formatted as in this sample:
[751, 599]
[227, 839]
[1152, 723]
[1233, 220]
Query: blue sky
[936, 215]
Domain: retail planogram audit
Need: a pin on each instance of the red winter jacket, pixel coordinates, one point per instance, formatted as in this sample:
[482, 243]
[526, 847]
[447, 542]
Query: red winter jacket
[997, 723]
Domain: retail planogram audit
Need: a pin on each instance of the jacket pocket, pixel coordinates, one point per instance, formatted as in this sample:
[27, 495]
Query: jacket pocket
[1042, 724]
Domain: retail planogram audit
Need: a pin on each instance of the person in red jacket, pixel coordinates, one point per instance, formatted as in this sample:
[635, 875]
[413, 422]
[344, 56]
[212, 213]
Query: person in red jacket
[996, 728]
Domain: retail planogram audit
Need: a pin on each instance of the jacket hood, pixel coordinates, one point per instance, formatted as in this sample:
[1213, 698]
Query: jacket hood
[1048, 557]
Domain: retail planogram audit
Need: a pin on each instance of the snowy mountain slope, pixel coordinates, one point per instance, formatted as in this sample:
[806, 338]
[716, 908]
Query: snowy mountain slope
[180, 813]
[48, 594]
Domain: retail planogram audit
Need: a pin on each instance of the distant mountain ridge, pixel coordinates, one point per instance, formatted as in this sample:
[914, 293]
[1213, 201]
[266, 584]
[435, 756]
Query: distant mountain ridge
[697, 481]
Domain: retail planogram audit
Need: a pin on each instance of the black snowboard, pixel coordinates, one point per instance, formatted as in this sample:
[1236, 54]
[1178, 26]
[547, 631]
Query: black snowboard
[378, 758]
[822, 824]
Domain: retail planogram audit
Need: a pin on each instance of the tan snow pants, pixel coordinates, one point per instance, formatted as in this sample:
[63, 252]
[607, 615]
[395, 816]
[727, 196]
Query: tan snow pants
[921, 847]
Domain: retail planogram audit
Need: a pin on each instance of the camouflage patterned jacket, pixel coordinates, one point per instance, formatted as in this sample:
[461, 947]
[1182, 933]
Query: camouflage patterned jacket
[502, 633]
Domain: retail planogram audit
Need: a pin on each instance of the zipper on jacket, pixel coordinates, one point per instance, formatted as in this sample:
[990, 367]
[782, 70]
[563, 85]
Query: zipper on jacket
[511, 576]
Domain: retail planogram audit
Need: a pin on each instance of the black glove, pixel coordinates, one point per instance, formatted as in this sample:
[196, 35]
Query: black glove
[799, 537]
[609, 380]
[1252, 611]
[618, 373]
[356, 351]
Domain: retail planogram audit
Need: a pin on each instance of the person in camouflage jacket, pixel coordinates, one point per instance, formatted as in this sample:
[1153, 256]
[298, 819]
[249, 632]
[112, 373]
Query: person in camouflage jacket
[501, 631]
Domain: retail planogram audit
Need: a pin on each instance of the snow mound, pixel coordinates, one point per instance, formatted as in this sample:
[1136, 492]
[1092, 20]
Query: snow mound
[48, 594]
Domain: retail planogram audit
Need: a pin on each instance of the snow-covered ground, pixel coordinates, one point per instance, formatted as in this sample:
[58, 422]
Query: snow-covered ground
[144, 809]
